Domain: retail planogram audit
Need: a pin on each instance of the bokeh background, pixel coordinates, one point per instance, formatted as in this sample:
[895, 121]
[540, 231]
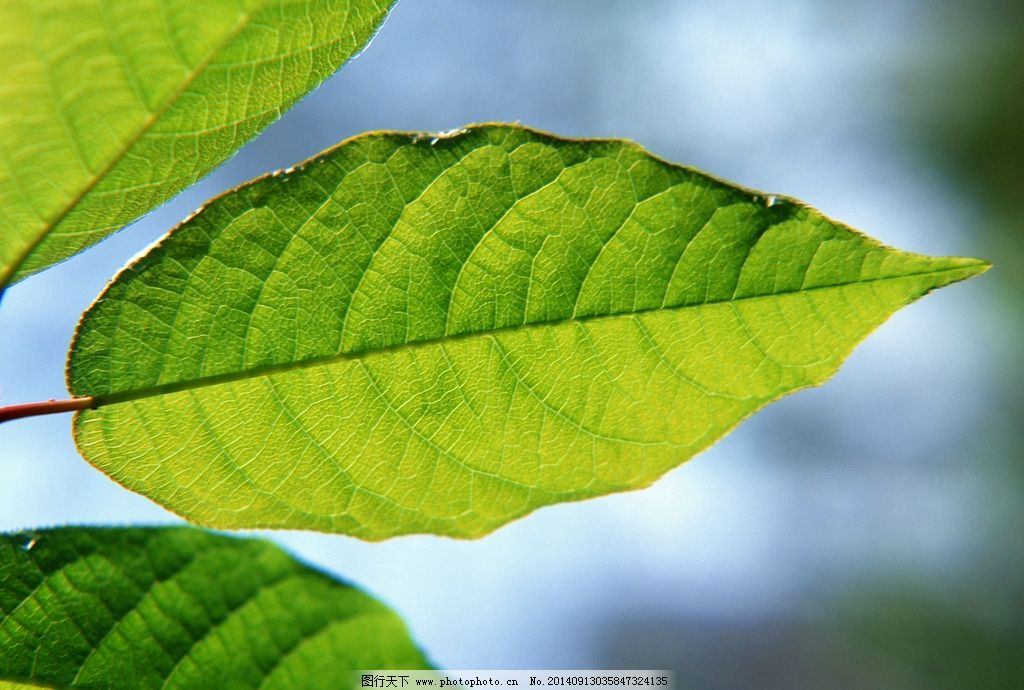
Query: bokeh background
[866, 534]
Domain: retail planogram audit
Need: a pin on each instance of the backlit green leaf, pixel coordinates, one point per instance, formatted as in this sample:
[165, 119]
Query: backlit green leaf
[107, 109]
[182, 608]
[10, 685]
[439, 335]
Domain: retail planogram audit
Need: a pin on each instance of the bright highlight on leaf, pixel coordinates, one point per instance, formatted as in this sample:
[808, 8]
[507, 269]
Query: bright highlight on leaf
[108, 109]
[181, 608]
[440, 335]
[9, 685]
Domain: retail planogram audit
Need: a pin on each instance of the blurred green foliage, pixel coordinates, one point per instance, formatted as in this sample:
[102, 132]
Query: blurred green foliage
[966, 118]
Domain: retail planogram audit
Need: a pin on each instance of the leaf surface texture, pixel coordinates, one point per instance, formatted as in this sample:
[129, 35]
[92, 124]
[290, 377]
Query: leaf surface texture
[108, 109]
[178, 607]
[439, 335]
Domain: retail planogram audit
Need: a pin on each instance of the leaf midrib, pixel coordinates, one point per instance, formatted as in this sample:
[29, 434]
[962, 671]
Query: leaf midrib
[244, 20]
[103, 399]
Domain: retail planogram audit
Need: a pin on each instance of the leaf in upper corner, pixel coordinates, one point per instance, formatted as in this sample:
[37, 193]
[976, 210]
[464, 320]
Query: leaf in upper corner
[414, 335]
[108, 109]
[181, 608]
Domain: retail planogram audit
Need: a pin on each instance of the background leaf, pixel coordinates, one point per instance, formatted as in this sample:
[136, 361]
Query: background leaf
[439, 335]
[182, 608]
[109, 109]
[10, 685]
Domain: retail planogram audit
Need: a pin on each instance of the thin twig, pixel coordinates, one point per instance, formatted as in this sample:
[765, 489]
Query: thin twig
[48, 407]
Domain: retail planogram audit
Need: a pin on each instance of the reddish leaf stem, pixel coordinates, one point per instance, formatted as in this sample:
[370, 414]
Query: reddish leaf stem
[48, 407]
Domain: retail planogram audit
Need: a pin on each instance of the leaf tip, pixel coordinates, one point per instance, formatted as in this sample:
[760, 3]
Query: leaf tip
[976, 267]
[967, 267]
[953, 269]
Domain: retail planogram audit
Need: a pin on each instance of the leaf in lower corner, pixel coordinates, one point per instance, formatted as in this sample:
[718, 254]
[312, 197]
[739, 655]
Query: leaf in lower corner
[416, 335]
[111, 108]
[182, 608]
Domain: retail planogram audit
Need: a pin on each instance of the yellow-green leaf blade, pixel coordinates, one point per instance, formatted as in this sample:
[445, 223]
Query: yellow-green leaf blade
[108, 109]
[409, 335]
[181, 608]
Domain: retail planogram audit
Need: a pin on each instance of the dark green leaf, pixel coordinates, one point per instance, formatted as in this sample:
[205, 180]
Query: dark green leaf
[182, 608]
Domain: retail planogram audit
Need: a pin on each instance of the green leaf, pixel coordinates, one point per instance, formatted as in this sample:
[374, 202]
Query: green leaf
[439, 335]
[9, 685]
[108, 109]
[182, 608]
